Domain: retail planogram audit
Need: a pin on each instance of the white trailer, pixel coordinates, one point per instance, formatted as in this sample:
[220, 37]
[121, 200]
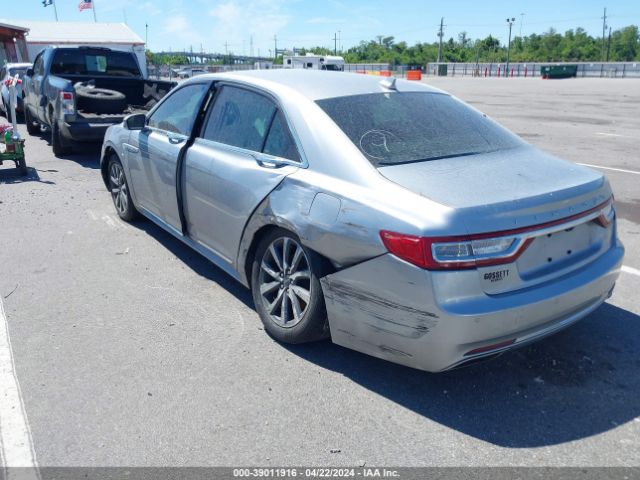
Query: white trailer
[314, 62]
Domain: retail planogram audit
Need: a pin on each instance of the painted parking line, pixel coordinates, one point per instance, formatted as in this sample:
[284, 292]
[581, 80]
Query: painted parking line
[15, 435]
[610, 168]
[603, 134]
[631, 270]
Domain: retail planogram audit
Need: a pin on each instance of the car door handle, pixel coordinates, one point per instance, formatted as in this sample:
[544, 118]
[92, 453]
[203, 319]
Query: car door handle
[175, 140]
[131, 149]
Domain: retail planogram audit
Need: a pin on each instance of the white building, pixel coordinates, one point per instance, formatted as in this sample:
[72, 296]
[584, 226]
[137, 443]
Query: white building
[117, 36]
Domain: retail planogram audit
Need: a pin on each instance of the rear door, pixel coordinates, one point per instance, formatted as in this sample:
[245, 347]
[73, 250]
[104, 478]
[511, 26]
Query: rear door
[154, 151]
[243, 152]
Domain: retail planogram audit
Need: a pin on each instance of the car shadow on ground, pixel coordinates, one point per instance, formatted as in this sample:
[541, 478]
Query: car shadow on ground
[578, 383]
[86, 155]
[195, 261]
[10, 175]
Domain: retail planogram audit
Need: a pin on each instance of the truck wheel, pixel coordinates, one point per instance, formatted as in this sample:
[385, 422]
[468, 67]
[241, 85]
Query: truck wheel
[60, 148]
[32, 127]
[286, 289]
[119, 189]
[100, 100]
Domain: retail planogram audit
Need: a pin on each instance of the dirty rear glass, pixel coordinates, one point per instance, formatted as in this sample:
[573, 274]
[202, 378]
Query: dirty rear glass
[87, 62]
[407, 127]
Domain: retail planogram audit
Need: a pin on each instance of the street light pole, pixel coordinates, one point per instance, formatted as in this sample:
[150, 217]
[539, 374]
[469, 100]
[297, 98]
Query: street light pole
[510, 21]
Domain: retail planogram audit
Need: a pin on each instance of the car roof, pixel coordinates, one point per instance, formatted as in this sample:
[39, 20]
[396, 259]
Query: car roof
[320, 84]
[17, 65]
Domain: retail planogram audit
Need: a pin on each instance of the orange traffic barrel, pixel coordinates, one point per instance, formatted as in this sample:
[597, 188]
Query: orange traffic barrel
[414, 75]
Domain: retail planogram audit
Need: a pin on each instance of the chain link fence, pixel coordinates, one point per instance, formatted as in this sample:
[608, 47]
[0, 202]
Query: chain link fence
[529, 69]
[532, 69]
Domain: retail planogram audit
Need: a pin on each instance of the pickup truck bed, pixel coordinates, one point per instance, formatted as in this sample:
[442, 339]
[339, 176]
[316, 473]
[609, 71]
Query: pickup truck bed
[51, 96]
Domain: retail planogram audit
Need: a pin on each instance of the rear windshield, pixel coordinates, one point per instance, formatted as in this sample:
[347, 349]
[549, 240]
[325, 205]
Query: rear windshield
[90, 62]
[405, 127]
[22, 71]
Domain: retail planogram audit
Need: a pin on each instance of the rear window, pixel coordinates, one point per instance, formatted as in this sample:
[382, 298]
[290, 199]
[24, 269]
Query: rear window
[90, 62]
[22, 71]
[406, 127]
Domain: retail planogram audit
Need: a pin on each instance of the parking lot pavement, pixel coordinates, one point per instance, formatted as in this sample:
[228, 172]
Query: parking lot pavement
[132, 350]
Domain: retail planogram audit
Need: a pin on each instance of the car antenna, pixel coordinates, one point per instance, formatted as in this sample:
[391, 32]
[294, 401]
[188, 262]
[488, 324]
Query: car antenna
[389, 83]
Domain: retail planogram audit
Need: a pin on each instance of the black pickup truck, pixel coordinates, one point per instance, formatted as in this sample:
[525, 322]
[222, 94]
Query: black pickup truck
[77, 93]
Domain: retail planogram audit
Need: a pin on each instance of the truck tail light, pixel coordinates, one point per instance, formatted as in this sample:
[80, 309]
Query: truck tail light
[67, 104]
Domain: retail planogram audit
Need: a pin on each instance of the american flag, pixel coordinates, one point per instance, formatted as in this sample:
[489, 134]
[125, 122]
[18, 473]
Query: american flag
[84, 4]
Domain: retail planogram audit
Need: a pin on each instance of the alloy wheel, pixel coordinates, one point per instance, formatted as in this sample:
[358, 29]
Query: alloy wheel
[118, 184]
[285, 282]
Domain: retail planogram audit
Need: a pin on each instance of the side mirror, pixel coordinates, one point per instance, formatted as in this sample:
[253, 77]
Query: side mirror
[29, 72]
[136, 121]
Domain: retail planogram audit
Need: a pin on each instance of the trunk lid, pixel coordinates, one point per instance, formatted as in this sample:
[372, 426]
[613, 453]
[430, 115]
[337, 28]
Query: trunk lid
[514, 189]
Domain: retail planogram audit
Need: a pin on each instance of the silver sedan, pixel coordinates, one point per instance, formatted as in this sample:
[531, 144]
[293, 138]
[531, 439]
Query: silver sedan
[386, 215]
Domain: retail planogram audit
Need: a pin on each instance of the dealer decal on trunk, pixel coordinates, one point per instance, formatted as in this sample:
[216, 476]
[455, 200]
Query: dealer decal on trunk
[499, 278]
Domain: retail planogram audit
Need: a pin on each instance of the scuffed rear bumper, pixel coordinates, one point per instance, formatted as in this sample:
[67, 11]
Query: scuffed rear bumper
[390, 309]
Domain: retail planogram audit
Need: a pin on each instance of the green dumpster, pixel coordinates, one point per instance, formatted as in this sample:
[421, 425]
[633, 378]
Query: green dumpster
[442, 70]
[559, 71]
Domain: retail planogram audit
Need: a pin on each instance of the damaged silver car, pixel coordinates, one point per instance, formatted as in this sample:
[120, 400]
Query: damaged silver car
[386, 215]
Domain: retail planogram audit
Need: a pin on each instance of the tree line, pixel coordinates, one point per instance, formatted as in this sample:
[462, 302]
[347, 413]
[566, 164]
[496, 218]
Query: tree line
[574, 45]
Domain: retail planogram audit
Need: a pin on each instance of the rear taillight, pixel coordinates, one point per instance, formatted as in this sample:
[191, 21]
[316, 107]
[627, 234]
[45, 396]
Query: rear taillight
[67, 104]
[450, 253]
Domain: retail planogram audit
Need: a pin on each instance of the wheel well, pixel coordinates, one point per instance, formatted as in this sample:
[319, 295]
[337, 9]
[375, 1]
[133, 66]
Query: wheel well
[104, 164]
[325, 265]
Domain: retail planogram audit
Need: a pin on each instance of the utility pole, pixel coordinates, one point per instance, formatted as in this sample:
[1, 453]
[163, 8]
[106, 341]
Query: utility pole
[510, 22]
[609, 44]
[55, 9]
[604, 31]
[339, 42]
[146, 35]
[521, 19]
[440, 34]
[226, 48]
[335, 43]
[251, 46]
[275, 46]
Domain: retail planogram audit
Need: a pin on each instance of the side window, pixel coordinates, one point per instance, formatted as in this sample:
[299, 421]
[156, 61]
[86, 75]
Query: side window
[37, 67]
[279, 141]
[240, 118]
[178, 112]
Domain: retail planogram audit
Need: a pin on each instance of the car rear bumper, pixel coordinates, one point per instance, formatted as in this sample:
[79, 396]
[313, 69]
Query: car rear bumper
[84, 131]
[393, 310]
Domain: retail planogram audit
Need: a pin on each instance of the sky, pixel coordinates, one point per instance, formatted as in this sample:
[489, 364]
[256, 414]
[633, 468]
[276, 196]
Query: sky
[234, 25]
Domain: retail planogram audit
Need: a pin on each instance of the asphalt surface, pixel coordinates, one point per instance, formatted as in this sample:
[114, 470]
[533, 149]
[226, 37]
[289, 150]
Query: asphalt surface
[132, 350]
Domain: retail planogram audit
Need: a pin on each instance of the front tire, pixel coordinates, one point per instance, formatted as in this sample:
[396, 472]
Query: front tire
[119, 189]
[286, 289]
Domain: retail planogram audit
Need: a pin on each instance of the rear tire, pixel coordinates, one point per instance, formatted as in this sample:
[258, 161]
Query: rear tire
[60, 148]
[286, 289]
[32, 127]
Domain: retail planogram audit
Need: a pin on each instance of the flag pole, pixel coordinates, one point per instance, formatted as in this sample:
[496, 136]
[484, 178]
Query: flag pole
[95, 19]
[55, 9]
